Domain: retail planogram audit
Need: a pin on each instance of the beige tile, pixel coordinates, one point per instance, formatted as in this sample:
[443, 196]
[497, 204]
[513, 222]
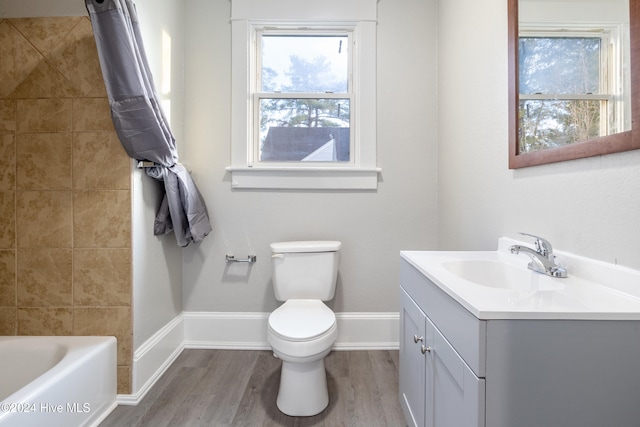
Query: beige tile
[8, 321]
[92, 114]
[44, 115]
[45, 321]
[124, 380]
[43, 161]
[45, 33]
[44, 81]
[76, 57]
[107, 321]
[7, 220]
[19, 58]
[7, 279]
[44, 277]
[102, 219]
[7, 115]
[102, 277]
[90, 151]
[7, 161]
[44, 219]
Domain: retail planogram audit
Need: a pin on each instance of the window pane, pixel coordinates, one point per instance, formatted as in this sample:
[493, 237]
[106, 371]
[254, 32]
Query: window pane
[557, 65]
[554, 123]
[304, 130]
[296, 63]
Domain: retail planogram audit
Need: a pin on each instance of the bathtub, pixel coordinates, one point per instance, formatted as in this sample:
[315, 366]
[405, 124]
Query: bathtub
[56, 381]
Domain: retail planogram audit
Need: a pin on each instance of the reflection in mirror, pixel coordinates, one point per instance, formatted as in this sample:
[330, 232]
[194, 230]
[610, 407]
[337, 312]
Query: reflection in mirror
[573, 60]
[571, 65]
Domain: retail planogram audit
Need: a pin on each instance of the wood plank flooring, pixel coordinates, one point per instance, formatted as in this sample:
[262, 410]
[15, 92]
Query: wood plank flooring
[219, 388]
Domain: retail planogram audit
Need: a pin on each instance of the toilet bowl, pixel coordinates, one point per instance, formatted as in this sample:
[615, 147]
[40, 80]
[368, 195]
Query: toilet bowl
[302, 331]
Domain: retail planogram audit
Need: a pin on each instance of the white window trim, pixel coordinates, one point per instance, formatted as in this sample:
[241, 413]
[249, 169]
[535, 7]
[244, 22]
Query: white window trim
[362, 172]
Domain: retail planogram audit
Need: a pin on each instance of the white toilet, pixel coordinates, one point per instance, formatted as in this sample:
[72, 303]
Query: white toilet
[303, 329]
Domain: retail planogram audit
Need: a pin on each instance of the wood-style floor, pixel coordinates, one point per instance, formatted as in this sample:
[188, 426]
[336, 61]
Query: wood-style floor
[220, 388]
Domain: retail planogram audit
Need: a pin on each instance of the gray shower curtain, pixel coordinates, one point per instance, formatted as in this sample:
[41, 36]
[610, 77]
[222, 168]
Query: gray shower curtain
[139, 121]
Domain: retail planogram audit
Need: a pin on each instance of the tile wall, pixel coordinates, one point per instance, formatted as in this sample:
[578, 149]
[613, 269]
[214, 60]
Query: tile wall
[65, 196]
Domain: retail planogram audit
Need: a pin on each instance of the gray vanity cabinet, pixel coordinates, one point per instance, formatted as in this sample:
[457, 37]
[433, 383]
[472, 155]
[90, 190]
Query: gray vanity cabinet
[458, 394]
[460, 371]
[413, 364]
[437, 387]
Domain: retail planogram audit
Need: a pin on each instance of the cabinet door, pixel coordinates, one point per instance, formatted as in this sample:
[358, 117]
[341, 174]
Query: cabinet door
[412, 361]
[458, 396]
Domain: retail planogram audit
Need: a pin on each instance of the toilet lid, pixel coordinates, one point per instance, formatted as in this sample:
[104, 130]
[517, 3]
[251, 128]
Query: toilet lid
[301, 319]
[306, 246]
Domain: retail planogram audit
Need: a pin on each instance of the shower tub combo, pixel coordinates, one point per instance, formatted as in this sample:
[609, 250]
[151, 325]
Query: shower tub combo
[56, 381]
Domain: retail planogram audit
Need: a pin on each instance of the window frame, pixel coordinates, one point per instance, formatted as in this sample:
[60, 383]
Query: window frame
[361, 173]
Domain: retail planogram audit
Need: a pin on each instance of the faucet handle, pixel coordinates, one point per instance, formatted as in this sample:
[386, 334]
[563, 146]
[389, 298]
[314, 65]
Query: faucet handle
[543, 246]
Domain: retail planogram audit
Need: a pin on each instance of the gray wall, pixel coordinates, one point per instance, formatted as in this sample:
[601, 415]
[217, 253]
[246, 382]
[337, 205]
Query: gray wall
[589, 207]
[373, 226]
[157, 260]
[40, 8]
[445, 181]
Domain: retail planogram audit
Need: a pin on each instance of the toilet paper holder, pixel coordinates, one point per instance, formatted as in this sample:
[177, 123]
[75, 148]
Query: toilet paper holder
[231, 258]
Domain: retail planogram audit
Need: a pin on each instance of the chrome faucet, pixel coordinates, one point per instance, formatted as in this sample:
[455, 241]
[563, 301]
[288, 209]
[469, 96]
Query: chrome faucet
[542, 258]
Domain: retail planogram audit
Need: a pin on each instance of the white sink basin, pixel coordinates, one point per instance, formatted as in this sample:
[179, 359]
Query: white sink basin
[496, 274]
[498, 285]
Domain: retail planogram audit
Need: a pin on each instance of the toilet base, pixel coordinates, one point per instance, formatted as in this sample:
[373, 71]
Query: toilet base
[303, 388]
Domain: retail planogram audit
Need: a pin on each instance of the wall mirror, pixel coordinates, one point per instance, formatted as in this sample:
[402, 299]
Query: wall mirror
[574, 79]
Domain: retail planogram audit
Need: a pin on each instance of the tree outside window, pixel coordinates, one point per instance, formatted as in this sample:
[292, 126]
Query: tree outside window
[304, 102]
[564, 92]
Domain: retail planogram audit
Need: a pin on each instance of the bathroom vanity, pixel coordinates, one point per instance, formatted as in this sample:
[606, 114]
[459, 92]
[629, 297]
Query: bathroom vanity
[487, 342]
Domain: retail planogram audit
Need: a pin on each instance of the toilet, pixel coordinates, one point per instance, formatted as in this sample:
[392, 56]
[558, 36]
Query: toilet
[302, 331]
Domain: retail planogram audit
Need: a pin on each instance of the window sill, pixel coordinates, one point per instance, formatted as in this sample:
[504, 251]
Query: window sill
[307, 178]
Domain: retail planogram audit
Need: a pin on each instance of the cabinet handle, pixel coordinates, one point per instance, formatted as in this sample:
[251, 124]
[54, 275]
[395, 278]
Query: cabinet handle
[424, 349]
[417, 338]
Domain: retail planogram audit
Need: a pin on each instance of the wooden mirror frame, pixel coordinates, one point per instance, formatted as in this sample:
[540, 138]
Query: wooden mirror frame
[624, 141]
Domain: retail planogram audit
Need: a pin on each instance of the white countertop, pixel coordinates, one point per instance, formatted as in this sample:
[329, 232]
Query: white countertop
[593, 290]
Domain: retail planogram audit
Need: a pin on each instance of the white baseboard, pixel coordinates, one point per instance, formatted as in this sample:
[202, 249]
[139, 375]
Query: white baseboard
[243, 331]
[368, 331]
[356, 331]
[238, 331]
[153, 358]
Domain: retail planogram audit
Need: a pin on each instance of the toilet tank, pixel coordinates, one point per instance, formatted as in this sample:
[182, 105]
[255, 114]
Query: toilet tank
[305, 270]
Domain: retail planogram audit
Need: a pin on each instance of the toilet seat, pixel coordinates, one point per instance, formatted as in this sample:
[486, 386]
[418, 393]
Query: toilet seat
[301, 320]
[301, 329]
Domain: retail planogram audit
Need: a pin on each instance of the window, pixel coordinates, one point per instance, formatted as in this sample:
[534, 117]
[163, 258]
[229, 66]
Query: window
[570, 86]
[303, 96]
